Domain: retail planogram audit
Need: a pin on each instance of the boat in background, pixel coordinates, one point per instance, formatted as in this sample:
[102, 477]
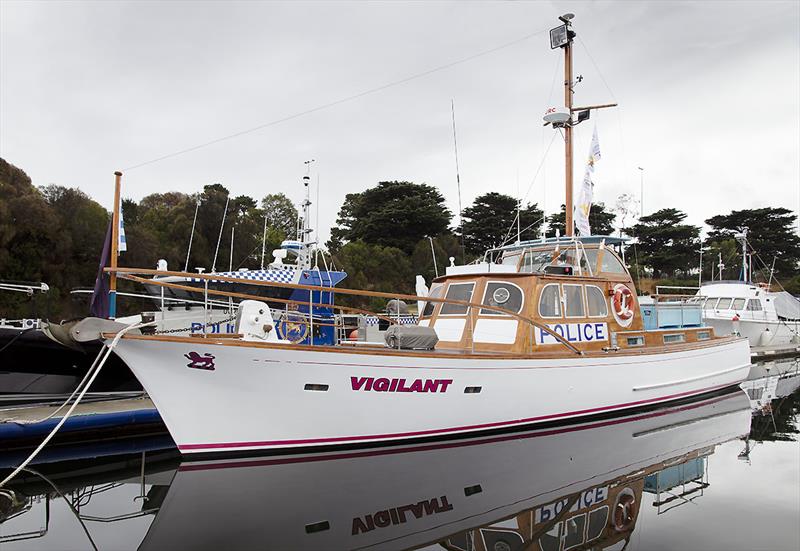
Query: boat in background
[752, 310]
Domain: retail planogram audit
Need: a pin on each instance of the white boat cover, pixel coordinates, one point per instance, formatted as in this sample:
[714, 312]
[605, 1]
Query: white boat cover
[786, 306]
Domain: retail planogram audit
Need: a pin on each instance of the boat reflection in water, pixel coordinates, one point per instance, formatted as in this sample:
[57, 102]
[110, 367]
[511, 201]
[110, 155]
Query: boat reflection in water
[560, 486]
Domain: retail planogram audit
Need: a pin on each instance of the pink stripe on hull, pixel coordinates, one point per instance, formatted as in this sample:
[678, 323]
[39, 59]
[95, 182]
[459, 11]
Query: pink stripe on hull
[345, 439]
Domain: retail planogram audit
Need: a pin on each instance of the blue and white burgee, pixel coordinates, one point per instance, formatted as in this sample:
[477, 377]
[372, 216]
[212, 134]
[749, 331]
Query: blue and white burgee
[122, 245]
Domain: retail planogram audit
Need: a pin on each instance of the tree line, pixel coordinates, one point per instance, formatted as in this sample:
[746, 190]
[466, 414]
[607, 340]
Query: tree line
[384, 236]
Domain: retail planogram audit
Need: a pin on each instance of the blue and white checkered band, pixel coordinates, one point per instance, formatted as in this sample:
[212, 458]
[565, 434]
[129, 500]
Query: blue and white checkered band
[402, 320]
[285, 274]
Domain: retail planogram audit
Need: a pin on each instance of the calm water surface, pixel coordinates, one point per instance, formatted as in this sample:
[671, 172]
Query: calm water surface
[723, 473]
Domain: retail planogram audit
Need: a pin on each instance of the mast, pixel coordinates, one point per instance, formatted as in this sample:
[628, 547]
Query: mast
[112, 290]
[303, 229]
[569, 224]
[561, 37]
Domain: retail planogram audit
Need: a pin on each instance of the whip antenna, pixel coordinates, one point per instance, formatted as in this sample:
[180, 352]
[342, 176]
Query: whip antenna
[458, 179]
[219, 238]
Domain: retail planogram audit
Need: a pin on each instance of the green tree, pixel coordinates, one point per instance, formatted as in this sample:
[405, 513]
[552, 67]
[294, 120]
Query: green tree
[491, 221]
[391, 214]
[281, 213]
[373, 268]
[771, 236]
[601, 221]
[666, 245]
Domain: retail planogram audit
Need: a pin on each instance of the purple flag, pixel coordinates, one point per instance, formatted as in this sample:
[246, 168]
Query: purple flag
[99, 306]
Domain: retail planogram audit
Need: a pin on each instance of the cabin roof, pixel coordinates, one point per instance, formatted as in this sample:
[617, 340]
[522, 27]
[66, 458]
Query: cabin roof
[564, 240]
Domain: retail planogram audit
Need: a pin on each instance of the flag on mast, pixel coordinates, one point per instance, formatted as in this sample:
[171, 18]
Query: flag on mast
[122, 243]
[584, 204]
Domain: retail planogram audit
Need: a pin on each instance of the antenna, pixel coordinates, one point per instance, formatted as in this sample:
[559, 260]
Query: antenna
[302, 228]
[458, 181]
[433, 254]
[219, 239]
[230, 264]
[191, 235]
[264, 240]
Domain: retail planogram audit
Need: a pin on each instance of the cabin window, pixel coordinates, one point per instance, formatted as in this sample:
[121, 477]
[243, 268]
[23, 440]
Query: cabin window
[435, 292]
[551, 541]
[724, 303]
[589, 261]
[502, 294]
[754, 304]
[636, 341]
[703, 335]
[738, 303]
[535, 261]
[457, 291]
[710, 303]
[674, 338]
[573, 295]
[596, 301]
[597, 522]
[550, 301]
[611, 264]
[511, 259]
[574, 531]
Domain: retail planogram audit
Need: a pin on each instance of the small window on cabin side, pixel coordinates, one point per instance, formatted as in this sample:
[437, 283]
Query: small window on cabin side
[710, 303]
[550, 301]
[754, 305]
[573, 294]
[611, 264]
[502, 295]
[738, 304]
[724, 303]
[589, 262]
[436, 292]
[596, 301]
[457, 291]
[511, 259]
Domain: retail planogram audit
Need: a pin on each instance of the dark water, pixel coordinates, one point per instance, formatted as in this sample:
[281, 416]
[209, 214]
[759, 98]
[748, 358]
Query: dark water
[723, 473]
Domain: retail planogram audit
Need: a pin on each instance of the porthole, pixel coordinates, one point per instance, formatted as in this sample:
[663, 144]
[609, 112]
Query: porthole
[501, 295]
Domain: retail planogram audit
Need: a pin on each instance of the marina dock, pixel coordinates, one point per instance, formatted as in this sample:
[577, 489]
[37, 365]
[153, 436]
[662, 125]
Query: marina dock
[758, 353]
[21, 426]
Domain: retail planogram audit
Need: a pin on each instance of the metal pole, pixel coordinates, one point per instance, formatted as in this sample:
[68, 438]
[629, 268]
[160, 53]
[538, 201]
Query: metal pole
[219, 239]
[264, 241]
[641, 191]
[191, 236]
[112, 298]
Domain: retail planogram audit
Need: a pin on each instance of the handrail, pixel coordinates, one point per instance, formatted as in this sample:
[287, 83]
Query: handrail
[247, 296]
[127, 273]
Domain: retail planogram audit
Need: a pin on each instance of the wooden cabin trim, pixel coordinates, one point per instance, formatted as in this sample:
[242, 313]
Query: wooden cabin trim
[385, 351]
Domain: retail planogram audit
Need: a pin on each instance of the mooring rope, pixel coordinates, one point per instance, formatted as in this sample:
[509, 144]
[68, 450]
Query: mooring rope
[105, 353]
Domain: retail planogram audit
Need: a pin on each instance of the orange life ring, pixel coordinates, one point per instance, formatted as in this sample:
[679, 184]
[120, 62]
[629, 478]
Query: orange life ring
[623, 299]
[624, 511]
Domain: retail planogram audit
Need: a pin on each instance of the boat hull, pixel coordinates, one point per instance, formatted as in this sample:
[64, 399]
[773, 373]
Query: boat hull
[218, 397]
[757, 332]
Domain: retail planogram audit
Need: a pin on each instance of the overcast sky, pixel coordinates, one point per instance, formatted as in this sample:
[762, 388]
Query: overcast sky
[708, 95]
